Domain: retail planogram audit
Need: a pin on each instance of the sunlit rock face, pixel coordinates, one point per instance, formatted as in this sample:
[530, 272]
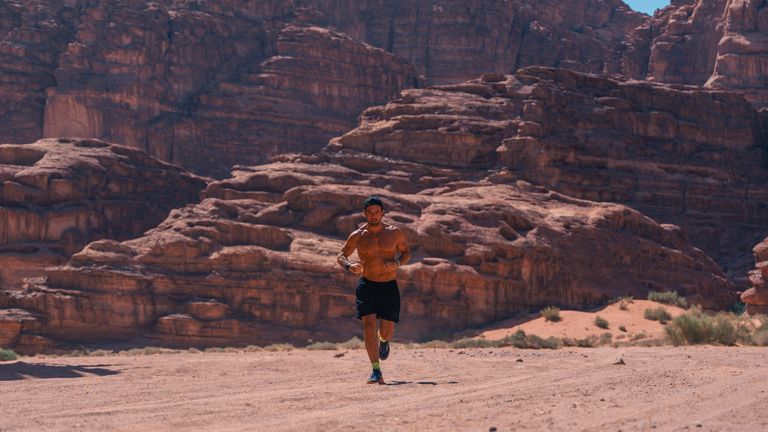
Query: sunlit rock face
[210, 84]
[756, 297]
[255, 261]
[57, 195]
[714, 43]
[691, 157]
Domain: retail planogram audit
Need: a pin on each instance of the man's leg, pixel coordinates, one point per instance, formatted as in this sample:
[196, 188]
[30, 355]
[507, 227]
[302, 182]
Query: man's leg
[372, 346]
[369, 335]
[387, 330]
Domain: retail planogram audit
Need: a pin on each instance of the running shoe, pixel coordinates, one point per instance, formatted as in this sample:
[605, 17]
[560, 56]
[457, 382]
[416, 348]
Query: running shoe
[383, 350]
[376, 377]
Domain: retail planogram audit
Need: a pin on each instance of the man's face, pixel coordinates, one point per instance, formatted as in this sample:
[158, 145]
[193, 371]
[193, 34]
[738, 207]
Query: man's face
[373, 214]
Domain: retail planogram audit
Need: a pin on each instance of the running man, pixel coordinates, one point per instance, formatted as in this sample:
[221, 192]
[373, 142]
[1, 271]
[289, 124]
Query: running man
[382, 249]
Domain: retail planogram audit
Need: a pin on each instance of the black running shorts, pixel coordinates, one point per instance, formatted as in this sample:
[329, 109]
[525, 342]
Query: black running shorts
[380, 298]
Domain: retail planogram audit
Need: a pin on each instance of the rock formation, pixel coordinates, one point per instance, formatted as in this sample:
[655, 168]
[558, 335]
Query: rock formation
[254, 262]
[456, 40]
[756, 297]
[690, 157]
[57, 195]
[713, 43]
[210, 84]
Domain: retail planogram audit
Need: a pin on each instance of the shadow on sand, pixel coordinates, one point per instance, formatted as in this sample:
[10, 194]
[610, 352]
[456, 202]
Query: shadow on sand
[21, 370]
[394, 383]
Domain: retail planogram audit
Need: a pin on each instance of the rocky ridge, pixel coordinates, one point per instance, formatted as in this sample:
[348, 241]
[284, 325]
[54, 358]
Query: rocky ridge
[57, 195]
[691, 157]
[718, 44]
[210, 84]
[254, 261]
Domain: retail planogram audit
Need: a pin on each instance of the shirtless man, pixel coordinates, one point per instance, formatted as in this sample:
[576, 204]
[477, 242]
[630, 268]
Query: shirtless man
[382, 249]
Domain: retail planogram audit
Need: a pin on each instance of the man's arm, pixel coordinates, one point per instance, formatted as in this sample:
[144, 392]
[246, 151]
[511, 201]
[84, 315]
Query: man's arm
[346, 251]
[403, 249]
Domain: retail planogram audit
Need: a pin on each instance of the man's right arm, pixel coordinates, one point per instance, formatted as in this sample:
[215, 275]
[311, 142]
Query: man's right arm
[346, 251]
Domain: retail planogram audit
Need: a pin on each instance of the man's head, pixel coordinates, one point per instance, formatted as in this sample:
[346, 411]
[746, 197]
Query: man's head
[373, 209]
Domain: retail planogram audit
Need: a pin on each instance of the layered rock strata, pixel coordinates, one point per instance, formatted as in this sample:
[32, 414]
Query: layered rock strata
[714, 43]
[210, 84]
[756, 297]
[254, 262]
[684, 156]
[456, 40]
[57, 195]
[33, 34]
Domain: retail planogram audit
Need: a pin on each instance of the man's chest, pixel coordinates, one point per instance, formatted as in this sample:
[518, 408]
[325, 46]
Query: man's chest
[373, 243]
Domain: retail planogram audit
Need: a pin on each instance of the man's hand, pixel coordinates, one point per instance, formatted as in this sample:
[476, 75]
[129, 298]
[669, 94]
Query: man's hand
[356, 268]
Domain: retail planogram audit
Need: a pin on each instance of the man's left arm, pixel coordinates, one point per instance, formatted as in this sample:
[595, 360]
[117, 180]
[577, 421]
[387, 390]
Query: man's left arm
[403, 249]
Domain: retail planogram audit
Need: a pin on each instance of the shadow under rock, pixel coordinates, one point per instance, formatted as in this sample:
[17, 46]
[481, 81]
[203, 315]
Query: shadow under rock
[21, 370]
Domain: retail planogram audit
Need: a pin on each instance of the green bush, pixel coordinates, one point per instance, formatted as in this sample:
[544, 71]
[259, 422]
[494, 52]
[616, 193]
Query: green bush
[7, 355]
[668, 297]
[601, 322]
[695, 327]
[551, 313]
[659, 314]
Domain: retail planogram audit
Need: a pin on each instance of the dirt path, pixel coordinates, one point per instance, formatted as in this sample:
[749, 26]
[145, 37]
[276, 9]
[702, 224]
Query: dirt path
[701, 388]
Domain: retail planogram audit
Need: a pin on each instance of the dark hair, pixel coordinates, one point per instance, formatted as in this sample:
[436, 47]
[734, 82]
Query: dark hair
[373, 200]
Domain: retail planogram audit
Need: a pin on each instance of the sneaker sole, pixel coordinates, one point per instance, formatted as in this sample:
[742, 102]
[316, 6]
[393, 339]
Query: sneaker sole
[381, 381]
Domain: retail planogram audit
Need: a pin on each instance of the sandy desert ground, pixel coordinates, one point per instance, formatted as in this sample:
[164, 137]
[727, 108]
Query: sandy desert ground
[703, 388]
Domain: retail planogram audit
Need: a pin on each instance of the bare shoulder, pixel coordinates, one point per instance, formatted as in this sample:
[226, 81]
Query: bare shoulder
[396, 231]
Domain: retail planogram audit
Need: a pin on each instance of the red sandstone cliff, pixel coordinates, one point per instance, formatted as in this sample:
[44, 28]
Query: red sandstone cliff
[210, 84]
[756, 297]
[58, 195]
[254, 262]
[714, 43]
[690, 157]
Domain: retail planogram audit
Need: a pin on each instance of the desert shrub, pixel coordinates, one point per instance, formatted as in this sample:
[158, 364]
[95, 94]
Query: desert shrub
[322, 346]
[150, 350]
[695, 327]
[622, 328]
[435, 344]
[7, 355]
[551, 313]
[760, 337]
[668, 297]
[690, 328]
[659, 314]
[354, 343]
[252, 348]
[588, 342]
[100, 353]
[606, 338]
[638, 336]
[624, 299]
[601, 322]
[475, 343]
[724, 332]
[623, 306]
[279, 347]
